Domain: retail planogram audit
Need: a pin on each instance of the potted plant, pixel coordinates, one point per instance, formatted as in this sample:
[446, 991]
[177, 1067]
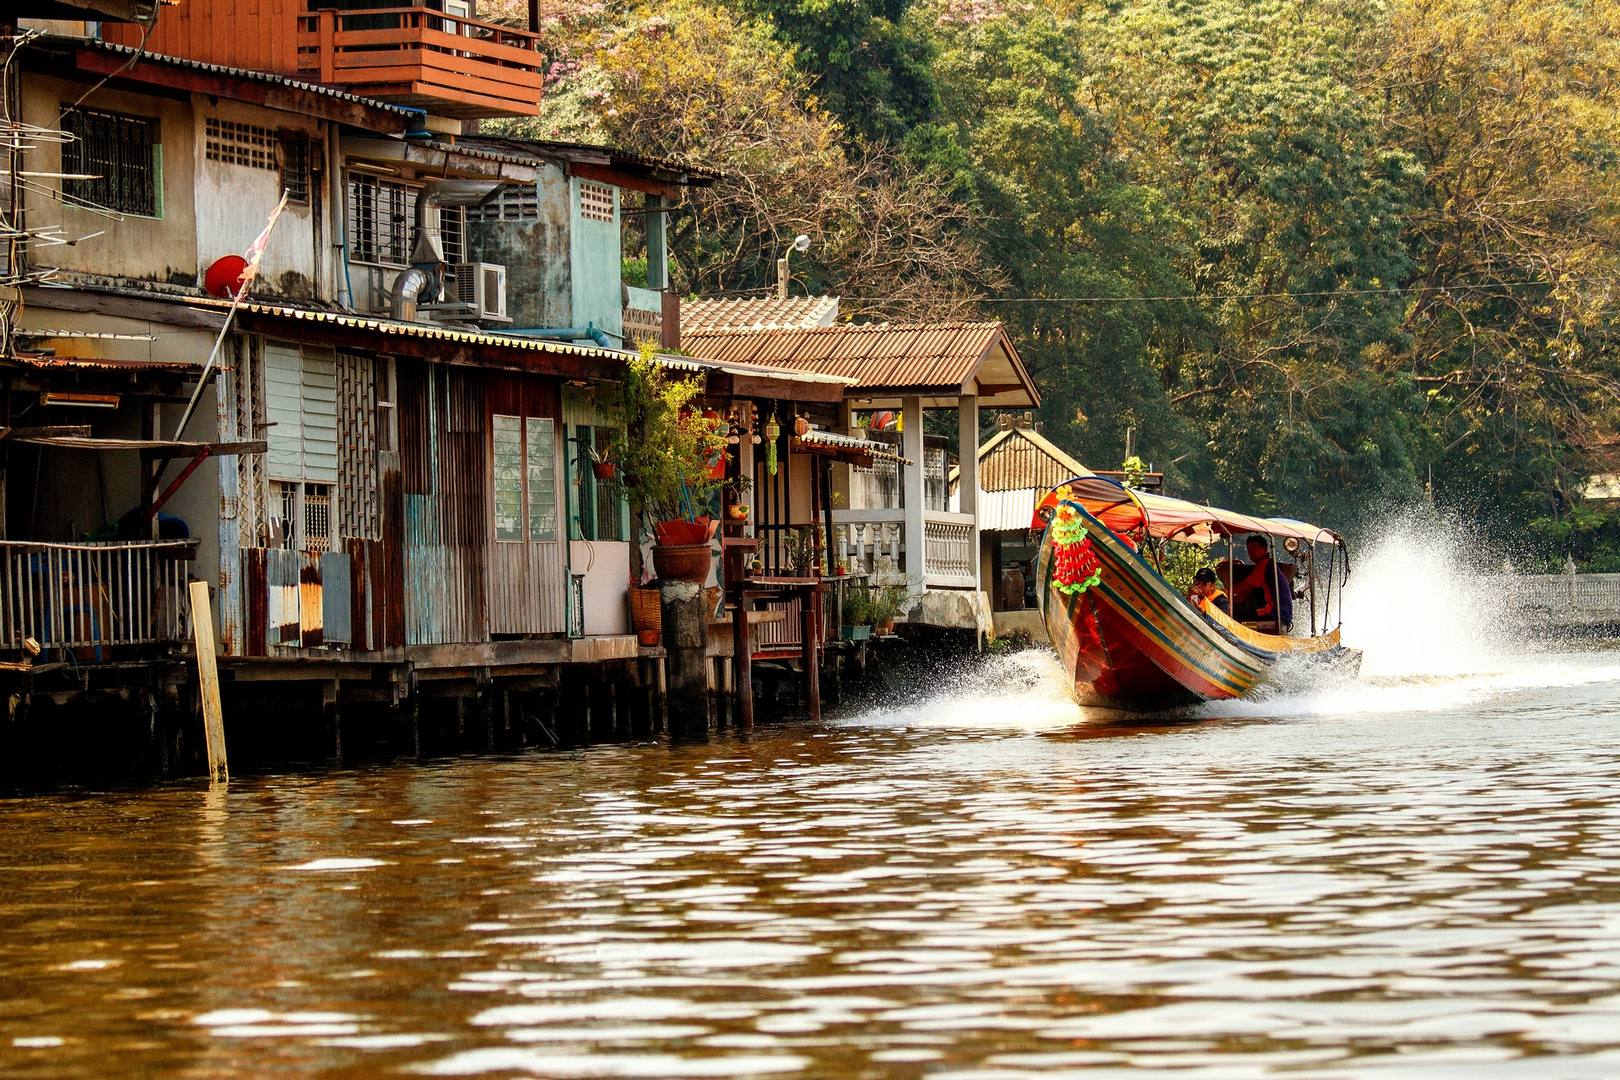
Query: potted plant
[602, 466]
[664, 448]
[885, 605]
[857, 612]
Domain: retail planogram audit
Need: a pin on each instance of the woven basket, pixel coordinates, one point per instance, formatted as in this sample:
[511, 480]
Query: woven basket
[646, 614]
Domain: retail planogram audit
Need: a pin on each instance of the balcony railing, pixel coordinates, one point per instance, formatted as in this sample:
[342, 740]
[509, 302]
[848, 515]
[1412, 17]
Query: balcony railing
[93, 594]
[446, 64]
[875, 542]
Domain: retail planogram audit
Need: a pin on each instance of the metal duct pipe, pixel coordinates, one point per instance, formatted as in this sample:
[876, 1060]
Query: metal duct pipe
[429, 248]
[408, 292]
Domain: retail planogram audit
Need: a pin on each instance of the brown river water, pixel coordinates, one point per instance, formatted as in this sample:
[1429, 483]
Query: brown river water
[1416, 874]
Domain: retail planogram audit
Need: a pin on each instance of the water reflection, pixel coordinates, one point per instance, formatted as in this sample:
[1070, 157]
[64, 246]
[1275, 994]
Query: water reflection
[908, 892]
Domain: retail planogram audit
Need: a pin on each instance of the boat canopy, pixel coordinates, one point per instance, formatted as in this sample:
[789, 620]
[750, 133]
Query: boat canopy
[1126, 511]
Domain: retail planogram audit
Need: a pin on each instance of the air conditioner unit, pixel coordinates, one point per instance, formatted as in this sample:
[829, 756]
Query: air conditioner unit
[483, 285]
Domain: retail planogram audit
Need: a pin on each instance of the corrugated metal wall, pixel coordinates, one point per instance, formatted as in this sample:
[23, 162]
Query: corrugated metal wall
[444, 439]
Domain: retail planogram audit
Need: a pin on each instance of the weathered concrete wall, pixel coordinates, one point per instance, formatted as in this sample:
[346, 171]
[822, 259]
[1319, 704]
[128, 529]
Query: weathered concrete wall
[161, 249]
[598, 267]
[233, 202]
[536, 254]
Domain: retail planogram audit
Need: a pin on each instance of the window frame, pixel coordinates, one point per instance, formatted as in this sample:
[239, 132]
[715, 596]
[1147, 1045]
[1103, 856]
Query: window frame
[370, 245]
[98, 194]
[534, 519]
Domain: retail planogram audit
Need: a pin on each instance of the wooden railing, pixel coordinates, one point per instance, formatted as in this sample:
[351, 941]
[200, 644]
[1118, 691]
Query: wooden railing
[93, 594]
[451, 65]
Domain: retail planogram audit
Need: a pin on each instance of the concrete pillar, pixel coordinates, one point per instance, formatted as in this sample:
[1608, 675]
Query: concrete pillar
[911, 447]
[686, 641]
[967, 433]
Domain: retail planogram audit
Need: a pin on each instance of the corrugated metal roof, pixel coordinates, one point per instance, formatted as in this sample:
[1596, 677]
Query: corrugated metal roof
[233, 72]
[1021, 459]
[765, 313]
[430, 332]
[535, 151]
[878, 356]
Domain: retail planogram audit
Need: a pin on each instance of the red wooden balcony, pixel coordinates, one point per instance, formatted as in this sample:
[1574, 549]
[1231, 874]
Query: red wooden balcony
[446, 64]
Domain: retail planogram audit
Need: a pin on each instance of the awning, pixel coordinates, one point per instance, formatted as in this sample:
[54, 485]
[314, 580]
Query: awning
[1127, 511]
[846, 447]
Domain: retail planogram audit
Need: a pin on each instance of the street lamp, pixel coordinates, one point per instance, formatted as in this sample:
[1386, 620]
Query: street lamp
[800, 243]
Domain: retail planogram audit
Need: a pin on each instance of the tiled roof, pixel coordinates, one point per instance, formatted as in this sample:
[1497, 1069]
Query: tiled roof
[765, 313]
[877, 356]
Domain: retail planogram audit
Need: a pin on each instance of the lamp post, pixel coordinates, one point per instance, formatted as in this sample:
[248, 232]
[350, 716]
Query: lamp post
[800, 243]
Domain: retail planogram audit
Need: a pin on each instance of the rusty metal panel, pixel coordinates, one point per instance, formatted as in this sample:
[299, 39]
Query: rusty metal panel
[282, 571]
[336, 596]
[310, 625]
[255, 601]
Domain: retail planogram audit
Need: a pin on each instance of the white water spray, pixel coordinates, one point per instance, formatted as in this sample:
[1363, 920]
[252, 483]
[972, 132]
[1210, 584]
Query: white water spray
[1416, 604]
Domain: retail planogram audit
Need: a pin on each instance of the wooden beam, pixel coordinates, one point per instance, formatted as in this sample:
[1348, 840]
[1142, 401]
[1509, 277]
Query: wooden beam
[24, 434]
[182, 450]
[151, 449]
[122, 307]
[202, 628]
[606, 175]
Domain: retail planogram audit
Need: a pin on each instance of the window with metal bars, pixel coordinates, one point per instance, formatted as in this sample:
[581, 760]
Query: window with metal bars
[120, 154]
[600, 506]
[453, 233]
[380, 215]
[296, 169]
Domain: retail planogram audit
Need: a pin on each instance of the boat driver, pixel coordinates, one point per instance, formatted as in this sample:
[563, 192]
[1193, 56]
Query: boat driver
[1206, 586]
[1264, 589]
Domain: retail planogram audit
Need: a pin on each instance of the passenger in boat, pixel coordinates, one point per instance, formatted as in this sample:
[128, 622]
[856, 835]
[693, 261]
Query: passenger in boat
[1206, 586]
[1256, 595]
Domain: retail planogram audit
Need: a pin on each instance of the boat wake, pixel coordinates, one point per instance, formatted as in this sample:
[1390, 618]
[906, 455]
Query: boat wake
[1433, 633]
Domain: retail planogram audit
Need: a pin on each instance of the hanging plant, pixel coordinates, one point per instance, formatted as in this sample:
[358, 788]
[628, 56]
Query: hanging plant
[1076, 567]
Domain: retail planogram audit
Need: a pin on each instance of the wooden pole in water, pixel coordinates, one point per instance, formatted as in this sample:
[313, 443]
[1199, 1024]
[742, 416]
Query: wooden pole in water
[202, 629]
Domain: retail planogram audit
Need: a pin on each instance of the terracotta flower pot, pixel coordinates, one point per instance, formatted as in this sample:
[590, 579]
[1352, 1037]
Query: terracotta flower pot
[682, 562]
[649, 638]
[604, 470]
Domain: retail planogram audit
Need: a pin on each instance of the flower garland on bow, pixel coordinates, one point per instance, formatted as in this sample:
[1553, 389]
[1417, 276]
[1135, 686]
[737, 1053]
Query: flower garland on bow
[1076, 567]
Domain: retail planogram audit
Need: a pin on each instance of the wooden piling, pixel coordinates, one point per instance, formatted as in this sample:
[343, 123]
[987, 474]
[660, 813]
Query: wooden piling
[202, 630]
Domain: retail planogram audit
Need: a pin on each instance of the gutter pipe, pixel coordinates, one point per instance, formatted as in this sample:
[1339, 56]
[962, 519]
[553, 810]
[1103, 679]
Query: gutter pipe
[567, 333]
[340, 217]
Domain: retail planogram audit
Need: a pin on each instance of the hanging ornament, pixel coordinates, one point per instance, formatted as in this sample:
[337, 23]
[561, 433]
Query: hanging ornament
[1075, 566]
[773, 431]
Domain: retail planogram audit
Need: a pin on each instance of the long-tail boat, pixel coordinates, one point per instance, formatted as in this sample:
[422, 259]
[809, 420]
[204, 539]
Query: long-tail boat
[1129, 639]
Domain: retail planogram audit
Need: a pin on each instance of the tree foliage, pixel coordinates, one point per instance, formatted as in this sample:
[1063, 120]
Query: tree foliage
[1315, 254]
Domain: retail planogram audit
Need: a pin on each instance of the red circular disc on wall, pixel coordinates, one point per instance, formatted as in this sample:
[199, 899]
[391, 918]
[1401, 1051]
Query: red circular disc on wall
[225, 276]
